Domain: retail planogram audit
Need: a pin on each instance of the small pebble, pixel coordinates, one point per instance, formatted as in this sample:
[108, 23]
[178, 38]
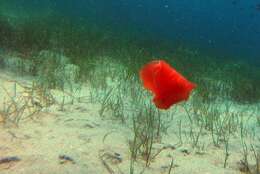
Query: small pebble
[65, 159]
[9, 159]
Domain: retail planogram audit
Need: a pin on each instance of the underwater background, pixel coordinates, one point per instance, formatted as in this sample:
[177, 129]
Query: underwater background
[72, 101]
[225, 34]
[226, 28]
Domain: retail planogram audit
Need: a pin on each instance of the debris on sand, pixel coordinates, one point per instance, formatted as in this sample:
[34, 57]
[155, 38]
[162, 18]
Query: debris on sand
[66, 159]
[9, 159]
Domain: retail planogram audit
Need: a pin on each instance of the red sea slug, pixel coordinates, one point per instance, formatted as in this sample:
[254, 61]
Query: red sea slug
[168, 86]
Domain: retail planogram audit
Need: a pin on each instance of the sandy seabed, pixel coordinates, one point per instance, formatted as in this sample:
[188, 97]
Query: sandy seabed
[76, 140]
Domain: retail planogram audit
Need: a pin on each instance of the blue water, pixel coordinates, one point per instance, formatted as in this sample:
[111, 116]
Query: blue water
[227, 28]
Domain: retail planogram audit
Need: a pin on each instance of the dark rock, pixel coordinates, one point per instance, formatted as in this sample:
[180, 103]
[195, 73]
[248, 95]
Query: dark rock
[9, 159]
[65, 159]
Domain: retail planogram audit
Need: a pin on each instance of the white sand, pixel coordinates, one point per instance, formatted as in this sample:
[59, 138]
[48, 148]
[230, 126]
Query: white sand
[78, 132]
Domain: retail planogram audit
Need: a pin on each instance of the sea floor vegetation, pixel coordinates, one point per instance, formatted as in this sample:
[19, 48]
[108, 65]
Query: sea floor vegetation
[71, 100]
